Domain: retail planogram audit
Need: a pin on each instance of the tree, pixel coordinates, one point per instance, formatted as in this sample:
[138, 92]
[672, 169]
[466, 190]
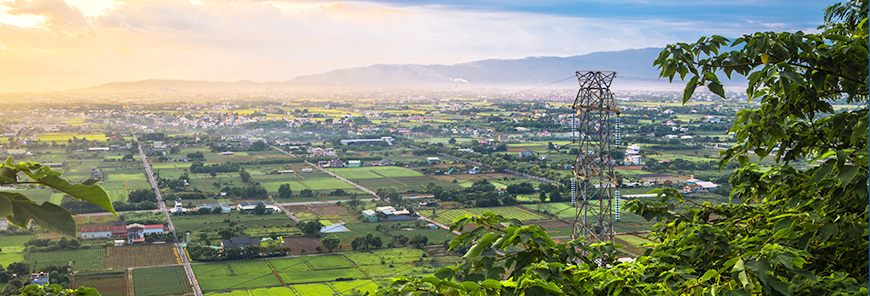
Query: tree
[556, 196]
[330, 242]
[140, 195]
[19, 209]
[451, 141]
[260, 209]
[306, 192]
[789, 230]
[418, 241]
[284, 191]
[311, 227]
[246, 177]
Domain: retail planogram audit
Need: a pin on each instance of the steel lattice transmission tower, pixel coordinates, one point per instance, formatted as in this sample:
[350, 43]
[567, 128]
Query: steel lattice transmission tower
[593, 169]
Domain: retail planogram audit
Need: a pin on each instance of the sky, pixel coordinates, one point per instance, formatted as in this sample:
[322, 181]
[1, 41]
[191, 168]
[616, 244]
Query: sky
[50, 45]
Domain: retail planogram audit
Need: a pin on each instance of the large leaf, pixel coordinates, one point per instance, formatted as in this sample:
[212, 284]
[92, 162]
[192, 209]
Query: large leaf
[47, 215]
[86, 191]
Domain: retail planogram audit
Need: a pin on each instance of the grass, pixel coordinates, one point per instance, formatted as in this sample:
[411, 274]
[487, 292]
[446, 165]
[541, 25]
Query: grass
[234, 275]
[13, 248]
[314, 289]
[140, 256]
[107, 283]
[447, 216]
[347, 287]
[321, 275]
[82, 259]
[290, 264]
[169, 280]
[330, 261]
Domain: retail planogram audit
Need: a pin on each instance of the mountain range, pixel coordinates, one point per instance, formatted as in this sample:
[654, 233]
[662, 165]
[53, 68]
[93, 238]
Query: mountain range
[634, 67]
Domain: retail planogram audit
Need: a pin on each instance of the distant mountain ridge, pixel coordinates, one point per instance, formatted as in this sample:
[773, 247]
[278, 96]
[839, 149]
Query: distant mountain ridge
[633, 66]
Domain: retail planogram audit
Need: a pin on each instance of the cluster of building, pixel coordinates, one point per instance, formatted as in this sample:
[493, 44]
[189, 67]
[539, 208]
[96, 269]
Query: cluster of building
[632, 155]
[388, 213]
[243, 207]
[132, 233]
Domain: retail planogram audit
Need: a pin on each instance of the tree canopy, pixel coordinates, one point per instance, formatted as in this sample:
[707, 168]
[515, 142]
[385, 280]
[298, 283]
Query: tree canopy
[799, 227]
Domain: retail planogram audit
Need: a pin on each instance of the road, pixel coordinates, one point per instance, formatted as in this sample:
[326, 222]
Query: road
[366, 190]
[161, 205]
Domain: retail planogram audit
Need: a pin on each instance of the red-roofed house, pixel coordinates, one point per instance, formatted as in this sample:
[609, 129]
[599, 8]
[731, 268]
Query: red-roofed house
[133, 232]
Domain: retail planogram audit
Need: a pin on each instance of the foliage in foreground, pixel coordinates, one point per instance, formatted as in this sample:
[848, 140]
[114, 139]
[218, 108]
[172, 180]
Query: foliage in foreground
[791, 230]
[19, 209]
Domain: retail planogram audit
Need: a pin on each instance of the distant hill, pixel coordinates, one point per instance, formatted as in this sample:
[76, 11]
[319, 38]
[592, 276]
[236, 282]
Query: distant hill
[634, 68]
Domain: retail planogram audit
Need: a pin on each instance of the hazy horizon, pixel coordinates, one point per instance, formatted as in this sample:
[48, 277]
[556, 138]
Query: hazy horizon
[60, 45]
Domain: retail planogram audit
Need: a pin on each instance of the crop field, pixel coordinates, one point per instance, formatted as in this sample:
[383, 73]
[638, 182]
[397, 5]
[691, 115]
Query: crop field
[169, 280]
[140, 256]
[376, 172]
[211, 222]
[447, 216]
[314, 289]
[326, 275]
[289, 264]
[13, 248]
[82, 259]
[63, 137]
[329, 261]
[274, 291]
[356, 271]
[388, 256]
[107, 283]
[347, 287]
[235, 275]
[231, 293]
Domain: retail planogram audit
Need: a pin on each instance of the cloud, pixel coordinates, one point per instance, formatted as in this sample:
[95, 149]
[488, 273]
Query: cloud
[90, 42]
[56, 12]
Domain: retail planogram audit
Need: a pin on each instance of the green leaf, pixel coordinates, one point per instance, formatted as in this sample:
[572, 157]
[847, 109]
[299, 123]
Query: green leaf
[431, 279]
[445, 273]
[491, 284]
[5, 206]
[90, 193]
[470, 286]
[481, 245]
[716, 88]
[47, 215]
[690, 89]
[708, 275]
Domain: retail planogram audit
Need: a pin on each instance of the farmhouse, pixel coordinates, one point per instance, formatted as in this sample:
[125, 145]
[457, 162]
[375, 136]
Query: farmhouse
[249, 206]
[372, 216]
[526, 153]
[239, 242]
[388, 140]
[391, 214]
[433, 160]
[225, 208]
[132, 232]
[39, 278]
[695, 185]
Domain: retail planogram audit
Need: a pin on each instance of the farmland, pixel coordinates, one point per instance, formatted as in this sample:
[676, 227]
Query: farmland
[447, 216]
[13, 248]
[168, 280]
[82, 259]
[356, 270]
[106, 282]
[140, 256]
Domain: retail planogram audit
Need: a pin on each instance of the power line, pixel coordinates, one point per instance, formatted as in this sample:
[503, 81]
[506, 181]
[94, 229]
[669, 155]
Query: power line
[545, 85]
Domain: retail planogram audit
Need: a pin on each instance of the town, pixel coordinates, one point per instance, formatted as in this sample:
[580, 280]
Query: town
[256, 191]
